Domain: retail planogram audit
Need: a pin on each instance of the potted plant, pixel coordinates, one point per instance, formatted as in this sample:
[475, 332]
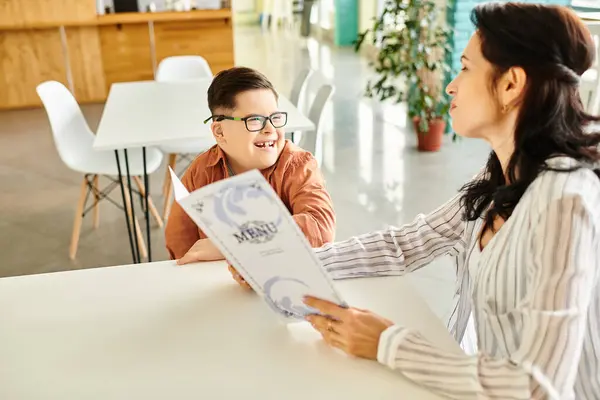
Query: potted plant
[411, 64]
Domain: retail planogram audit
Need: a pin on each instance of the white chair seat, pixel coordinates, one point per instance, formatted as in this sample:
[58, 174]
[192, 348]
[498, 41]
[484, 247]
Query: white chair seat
[195, 146]
[104, 162]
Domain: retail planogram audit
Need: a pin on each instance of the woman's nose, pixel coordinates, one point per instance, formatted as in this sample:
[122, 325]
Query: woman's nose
[451, 89]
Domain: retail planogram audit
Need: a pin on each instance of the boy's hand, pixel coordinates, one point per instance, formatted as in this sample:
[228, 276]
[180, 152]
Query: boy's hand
[202, 250]
[238, 278]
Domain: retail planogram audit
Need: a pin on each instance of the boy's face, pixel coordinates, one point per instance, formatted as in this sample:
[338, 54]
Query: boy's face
[249, 150]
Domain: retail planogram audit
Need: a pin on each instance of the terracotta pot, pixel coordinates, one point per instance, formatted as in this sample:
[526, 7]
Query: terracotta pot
[431, 140]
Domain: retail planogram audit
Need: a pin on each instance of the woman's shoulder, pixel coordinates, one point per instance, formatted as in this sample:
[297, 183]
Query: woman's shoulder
[566, 179]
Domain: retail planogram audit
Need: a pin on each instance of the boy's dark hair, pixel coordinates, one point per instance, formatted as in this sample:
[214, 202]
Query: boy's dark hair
[229, 83]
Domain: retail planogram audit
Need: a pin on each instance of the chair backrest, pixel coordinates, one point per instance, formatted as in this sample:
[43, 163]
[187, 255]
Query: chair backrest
[311, 140]
[72, 135]
[593, 105]
[183, 68]
[299, 85]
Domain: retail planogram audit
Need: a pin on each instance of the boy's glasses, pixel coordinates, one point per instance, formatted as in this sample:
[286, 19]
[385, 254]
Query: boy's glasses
[255, 123]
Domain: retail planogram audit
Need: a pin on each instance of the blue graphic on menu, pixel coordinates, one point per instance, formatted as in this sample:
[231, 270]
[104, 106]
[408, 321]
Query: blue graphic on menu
[284, 295]
[229, 205]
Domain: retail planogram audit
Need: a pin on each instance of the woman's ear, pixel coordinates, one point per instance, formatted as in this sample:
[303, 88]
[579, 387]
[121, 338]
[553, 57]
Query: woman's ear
[512, 87]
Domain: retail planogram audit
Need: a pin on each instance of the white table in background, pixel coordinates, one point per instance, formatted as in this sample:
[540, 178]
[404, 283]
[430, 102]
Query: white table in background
[142, 114]
[150, 113]
[158, 331]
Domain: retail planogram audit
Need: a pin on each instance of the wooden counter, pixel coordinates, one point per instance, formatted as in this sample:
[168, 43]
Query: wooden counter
[88, 53]
[125, 18]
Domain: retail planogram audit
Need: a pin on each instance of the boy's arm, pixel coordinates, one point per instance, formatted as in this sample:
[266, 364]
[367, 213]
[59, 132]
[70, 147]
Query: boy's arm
[181, 232]
[311, 205]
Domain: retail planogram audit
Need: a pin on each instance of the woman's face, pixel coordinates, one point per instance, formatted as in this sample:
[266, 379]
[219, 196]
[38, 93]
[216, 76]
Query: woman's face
[475, 110]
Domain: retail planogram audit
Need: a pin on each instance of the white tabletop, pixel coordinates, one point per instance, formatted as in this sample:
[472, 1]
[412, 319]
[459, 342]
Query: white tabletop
[150, 113]
[159, 331]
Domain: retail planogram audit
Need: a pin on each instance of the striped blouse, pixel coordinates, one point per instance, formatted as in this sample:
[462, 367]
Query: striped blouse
[534, 295]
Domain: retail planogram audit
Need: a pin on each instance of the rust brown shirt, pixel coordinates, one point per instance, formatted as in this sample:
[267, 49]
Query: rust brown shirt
[295, 177]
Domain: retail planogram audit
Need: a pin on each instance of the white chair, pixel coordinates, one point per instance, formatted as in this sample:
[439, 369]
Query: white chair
[300, 85]
[183, 68]
[178, 69]
[74, 143]
[312, 140]
[298, 90]
[590, 80]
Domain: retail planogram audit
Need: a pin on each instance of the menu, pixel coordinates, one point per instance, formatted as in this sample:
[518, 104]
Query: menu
[253, 229]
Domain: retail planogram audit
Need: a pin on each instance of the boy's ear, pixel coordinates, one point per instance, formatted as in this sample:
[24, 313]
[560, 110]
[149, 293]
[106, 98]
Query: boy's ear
[217, 131]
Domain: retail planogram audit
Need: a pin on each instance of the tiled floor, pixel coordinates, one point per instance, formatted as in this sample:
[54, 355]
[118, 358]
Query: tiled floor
[374, 174]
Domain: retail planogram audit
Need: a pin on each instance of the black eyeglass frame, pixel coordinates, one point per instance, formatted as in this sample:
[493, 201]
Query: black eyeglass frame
[218, 118]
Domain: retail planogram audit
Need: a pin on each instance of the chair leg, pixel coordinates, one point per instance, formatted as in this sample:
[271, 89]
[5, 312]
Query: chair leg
[141, 242]
[78, 220]
[167, 181]
[96, 207]
[167, 197]
[151, 205]
[167, 204]
[138, 231]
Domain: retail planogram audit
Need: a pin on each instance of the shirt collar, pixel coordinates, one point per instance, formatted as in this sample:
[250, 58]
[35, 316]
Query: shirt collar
[216, 155]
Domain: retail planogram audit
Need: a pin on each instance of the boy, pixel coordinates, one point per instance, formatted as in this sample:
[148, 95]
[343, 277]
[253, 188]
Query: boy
[248, 128]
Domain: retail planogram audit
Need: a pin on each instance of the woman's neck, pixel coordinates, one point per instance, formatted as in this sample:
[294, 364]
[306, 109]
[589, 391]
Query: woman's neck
[504, 149]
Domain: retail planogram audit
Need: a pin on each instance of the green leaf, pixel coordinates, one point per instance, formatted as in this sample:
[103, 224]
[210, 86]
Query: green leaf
[428, 101]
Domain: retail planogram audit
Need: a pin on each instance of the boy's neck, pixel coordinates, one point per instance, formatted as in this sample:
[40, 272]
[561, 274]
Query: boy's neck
[234, 166]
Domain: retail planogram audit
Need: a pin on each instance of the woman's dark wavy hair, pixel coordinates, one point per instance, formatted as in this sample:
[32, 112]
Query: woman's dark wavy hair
[554, 48]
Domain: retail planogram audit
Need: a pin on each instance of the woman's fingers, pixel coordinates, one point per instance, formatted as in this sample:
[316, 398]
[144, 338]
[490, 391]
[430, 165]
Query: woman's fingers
[331, 330]
[326, 307]
[324, 324]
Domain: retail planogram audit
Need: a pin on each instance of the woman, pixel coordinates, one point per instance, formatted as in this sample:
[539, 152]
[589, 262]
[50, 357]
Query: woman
[526, 230]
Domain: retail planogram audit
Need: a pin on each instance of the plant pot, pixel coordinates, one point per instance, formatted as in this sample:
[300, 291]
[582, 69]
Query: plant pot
[432, 139]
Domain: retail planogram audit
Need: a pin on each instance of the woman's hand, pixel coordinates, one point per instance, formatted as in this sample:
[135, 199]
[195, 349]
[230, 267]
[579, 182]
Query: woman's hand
[202, 250]
[352, 330]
